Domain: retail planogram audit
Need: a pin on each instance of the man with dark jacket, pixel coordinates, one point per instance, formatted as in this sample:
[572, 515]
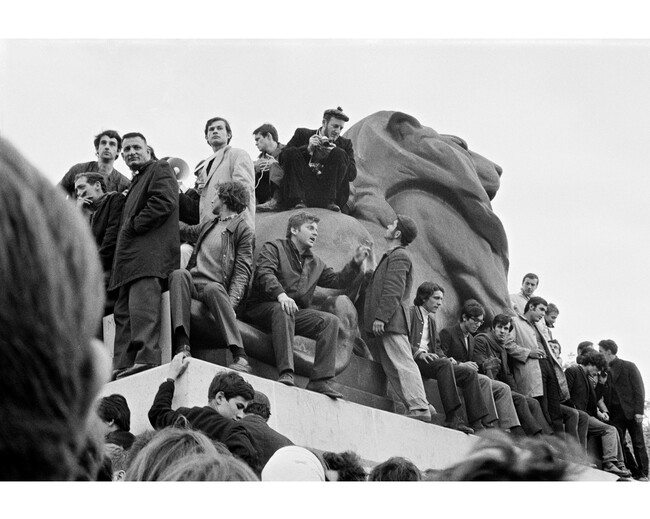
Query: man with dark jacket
[107, 148]
[458, 344]
[319, 165]
[228, 396]
[105, 212]
[583, 395]
[386, 318]
[433, 363]
[490, 355]
[147, 251]
[286, 276]
[626, 405]
[218, 272]
[265, 439]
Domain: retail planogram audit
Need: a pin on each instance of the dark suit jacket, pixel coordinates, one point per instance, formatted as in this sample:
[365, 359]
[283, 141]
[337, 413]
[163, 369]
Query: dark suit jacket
[301, 138]
[417, 327]
[387, 296]
[452, 342]
[205, 419]
[265, 439]
[582, 392]
[105, 225]
[626, 380]
[486, 347]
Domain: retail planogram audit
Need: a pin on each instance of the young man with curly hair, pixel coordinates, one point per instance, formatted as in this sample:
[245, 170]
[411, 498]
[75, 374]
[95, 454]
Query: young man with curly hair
[218, 272]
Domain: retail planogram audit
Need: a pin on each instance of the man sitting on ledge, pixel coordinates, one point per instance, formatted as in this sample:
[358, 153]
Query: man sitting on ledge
[286, 276]
[319, 165]
[218, 272]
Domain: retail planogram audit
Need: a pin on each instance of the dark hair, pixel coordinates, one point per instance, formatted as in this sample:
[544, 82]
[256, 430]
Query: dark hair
[592, 357]
[267, 129]
[232, 385]
[214, 120]
[51, 304]
[336, 113]
[609, 345]
[425, 291]
[472, 308]
[530, 275]
[395, 469]
[584, 345]
[502, 319]
[258, 409]
[134, 135]
[115, 407]
[408, 229]
[534, 302]
[234, 195]
[91, 178]
[503, 457]
[296, 221]
[152, 153]
[347, 464]
[111, 134]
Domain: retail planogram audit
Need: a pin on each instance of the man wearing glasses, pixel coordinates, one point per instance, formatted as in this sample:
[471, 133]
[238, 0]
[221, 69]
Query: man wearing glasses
[458, 344]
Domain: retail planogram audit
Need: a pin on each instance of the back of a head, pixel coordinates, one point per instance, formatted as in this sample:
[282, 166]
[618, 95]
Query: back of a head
[208, 467]
[501, 457]
[347, 465]
[51, 299]
[293, 463]
[115, 407]
[395, 469]
[165, 450]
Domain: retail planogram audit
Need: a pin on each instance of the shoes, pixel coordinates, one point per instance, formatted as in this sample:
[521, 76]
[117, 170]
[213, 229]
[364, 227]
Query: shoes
[422, 416]
[608, 466]
[241, 364]
[269, 206]
[456, 425]
[642, 478]
[323, 386]
[136, 368]
[116, 373]
[183, 348]
[300, 205]
[287, 379]
[622, 467]
[334, 207]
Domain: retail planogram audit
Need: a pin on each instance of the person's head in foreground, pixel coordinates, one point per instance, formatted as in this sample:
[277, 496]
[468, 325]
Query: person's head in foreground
[51, 302]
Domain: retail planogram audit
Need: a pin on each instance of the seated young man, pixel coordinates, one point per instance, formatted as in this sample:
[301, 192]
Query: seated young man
[432, 362]
[228, 396]
[492, 358]
[583, 395]
[458, 344]
[286, 276]
[218, 272]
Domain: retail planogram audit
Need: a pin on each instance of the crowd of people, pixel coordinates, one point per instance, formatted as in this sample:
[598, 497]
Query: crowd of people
[502, 378]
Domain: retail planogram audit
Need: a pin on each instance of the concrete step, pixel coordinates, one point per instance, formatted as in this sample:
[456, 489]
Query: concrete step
[314, 420]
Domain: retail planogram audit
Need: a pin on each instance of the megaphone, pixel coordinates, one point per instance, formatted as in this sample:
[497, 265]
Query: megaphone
[179, 167]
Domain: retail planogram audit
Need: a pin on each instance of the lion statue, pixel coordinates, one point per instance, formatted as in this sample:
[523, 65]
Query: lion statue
[402, 167]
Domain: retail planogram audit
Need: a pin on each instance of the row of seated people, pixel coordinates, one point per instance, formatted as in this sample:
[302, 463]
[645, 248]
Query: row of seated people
[285, 278]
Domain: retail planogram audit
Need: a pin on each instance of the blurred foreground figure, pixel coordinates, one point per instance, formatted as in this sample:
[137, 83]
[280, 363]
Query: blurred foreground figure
[502, 457]
[51, 303]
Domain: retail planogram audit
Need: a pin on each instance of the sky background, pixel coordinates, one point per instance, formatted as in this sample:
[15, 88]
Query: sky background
[568, 121]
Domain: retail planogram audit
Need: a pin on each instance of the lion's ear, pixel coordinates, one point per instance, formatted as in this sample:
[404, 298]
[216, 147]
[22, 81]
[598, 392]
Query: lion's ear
[400, 125]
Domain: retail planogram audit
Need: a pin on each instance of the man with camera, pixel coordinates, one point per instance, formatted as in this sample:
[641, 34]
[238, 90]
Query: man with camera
[319, 165]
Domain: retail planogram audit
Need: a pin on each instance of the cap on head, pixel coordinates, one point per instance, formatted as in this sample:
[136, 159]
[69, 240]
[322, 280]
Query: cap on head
[406, 225]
